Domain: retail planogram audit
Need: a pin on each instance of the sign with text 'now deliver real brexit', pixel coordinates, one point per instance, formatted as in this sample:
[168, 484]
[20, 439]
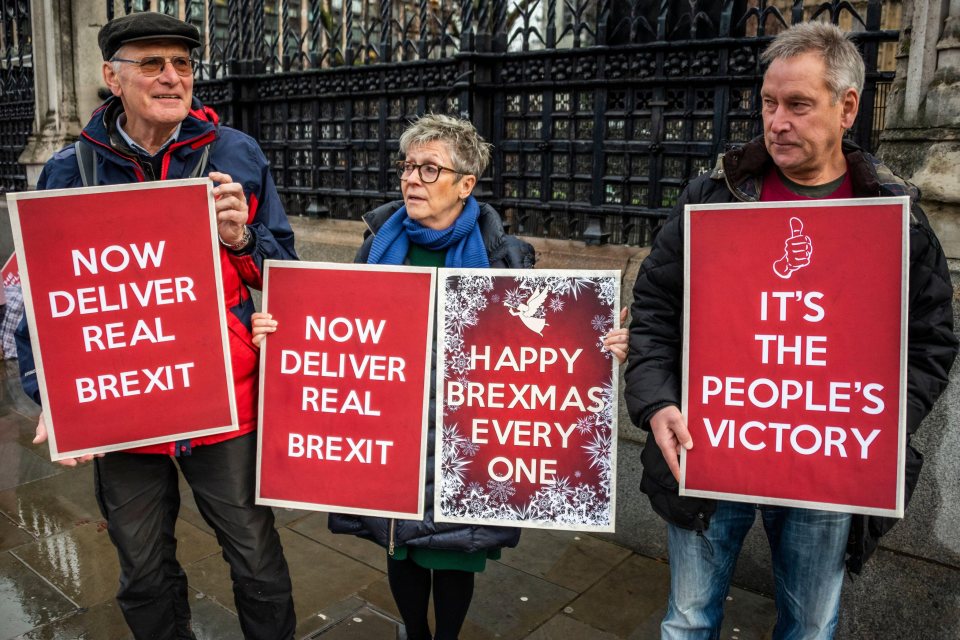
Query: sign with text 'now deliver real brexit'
[527, 398]
[125, 306]
[344, 388]
[795, 353]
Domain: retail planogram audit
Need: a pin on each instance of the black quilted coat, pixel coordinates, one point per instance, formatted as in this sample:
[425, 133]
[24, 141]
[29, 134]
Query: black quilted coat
[653, 376]
[504, 252]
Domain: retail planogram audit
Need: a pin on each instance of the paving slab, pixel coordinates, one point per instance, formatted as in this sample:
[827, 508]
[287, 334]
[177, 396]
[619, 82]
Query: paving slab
[82, 562]
[320, 575]
[571, 560]
[54, 504]
[11, 535]
[627, 597]
[363, 624]
[314, 526]
[211, 621]
[509, 603]
[26, 599]
[564, 627]
[21, 465]
[100, 622]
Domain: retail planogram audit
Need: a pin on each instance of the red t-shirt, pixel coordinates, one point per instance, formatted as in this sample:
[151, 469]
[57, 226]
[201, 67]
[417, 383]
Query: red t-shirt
[776, 190]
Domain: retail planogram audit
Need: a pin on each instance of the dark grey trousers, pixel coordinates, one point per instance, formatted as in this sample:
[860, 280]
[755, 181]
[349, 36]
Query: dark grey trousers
[139, 498]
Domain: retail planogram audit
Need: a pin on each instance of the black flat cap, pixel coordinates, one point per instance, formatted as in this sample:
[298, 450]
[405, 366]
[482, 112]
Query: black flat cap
[145, 25]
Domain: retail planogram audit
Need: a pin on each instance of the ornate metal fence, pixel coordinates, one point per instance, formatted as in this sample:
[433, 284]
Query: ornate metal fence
[16, 91]
[600, 111]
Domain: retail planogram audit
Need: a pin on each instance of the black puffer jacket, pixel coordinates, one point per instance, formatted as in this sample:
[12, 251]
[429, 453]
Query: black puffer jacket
[653, 374]
[504, 252]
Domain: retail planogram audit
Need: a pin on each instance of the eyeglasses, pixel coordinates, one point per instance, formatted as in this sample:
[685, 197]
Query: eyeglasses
[429, 173]
[153, 65]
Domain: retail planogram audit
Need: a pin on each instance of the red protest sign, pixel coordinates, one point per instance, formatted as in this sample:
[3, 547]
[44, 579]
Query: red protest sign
[125, 306]
[795, 352]
[10, 272]
[344, 388]
[527, 398]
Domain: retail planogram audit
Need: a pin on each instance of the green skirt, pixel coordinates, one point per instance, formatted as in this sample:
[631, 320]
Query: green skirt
[444, 560]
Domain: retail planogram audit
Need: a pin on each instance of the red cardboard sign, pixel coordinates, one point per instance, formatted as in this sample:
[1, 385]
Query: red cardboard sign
[125, 306]
[795, 353]
[10, 272]
[527, 398]
[344, 388]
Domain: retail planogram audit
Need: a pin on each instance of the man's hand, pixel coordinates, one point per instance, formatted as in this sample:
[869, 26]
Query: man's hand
[669, 429]
[41, 437]
[231, 207]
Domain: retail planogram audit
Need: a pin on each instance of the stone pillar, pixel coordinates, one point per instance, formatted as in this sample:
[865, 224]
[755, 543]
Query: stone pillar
[921, 138]
[66, 75]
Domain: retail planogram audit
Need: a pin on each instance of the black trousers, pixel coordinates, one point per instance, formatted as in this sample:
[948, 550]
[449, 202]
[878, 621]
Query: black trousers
[139, 498]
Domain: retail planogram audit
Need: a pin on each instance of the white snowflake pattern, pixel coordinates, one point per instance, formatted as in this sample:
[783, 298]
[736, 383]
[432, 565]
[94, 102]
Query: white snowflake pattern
[501, 490]
[555, 304]
[514, 297]
[585, 425]
[600, 323]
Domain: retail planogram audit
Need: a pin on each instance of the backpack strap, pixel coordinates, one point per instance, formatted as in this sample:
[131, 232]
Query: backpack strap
[201, 169]
[87, 162]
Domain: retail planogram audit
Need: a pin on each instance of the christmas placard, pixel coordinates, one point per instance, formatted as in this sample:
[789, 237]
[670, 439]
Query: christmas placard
[795, 353]
[344, 388]
[526, 398]
[125, 306]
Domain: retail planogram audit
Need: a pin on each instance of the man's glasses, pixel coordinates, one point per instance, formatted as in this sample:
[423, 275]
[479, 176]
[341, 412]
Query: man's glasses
[153, 65]
[429, 173]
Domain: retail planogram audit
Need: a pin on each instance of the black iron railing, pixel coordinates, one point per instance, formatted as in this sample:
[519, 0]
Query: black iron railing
[600, 111]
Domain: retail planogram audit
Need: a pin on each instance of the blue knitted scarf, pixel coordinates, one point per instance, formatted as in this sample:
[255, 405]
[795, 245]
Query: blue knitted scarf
[462, 239]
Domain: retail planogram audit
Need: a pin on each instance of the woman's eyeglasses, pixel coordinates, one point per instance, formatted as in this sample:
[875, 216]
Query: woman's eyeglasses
[429, 173]
[153, 65]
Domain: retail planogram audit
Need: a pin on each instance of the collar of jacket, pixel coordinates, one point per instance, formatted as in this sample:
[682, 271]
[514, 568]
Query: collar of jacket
[743, 168]
[200, 127]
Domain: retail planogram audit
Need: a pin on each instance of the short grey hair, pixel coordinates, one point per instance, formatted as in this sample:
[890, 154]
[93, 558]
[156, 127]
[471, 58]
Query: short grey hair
[468, 151]
[841, 60]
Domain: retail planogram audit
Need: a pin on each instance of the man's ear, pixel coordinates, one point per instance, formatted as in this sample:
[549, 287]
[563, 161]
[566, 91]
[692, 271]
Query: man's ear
[850, 103]
[111, 78]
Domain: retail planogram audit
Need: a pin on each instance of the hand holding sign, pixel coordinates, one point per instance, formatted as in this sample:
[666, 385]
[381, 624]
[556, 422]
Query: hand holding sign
[41, 436]
[797, 250]
[669, 428]
[231, 207]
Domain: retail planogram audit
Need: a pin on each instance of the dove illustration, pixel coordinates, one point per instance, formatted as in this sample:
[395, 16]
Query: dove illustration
[527, 311]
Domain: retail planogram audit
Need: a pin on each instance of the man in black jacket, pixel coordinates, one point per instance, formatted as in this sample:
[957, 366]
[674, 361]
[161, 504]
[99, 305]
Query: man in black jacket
[810, 97]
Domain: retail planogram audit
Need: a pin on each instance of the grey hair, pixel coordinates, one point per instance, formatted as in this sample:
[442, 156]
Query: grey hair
[842, 62]
[113, 62]
[468, 151]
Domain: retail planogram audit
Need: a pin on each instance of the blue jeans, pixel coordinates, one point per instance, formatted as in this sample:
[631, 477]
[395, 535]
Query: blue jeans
[807, 547]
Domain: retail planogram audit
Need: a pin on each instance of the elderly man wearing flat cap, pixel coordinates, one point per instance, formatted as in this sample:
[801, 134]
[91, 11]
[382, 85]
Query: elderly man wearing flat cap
[152, 128]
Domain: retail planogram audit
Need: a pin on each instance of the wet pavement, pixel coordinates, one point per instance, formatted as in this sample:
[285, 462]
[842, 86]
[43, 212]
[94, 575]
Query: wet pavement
[58, 570]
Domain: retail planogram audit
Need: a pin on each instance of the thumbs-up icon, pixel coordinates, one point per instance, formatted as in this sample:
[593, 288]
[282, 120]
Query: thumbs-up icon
[796, 251]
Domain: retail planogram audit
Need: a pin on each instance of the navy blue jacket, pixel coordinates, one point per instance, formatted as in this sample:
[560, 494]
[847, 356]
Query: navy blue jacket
[231, 152]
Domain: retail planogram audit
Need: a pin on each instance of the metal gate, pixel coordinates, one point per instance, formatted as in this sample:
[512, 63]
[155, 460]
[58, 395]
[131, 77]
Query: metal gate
[600, 111]
[16, 91]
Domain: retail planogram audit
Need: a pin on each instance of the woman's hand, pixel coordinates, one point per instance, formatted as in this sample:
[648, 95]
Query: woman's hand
[617, 341]
[263, 324]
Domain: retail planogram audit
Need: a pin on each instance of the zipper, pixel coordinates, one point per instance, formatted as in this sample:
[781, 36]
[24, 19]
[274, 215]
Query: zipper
[390, 547]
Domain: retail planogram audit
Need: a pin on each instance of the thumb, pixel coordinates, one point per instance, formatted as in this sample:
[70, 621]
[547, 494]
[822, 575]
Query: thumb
[796, 227]
[623, 316]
